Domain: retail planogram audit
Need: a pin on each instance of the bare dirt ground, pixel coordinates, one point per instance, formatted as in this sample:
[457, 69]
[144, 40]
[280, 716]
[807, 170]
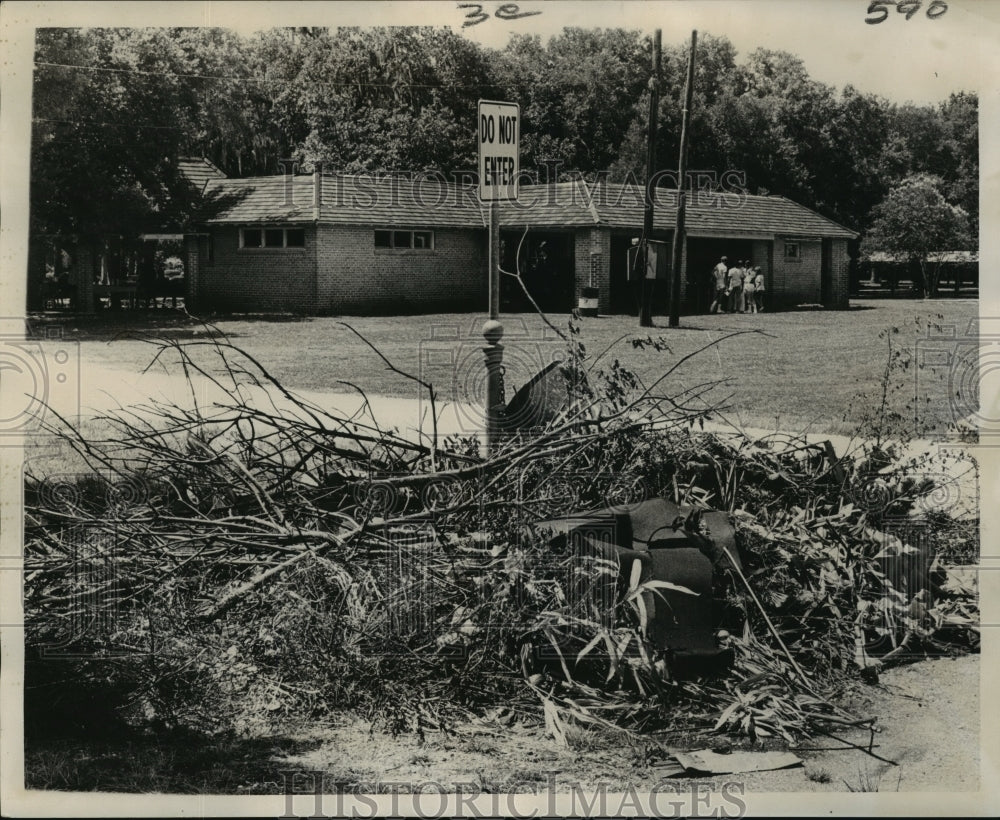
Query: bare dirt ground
[928, 712]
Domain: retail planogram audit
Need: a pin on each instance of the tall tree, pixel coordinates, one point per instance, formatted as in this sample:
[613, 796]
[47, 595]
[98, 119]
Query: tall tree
[915, 220]
[390, 99]
[714, 81]
[960, 115]
[855, 136]
[108, 126]
[577, 94]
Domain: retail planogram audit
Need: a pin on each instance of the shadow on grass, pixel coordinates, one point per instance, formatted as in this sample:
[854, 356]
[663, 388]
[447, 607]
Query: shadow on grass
[77, 738]
[682, 326]
[170, 762]
[170, 324]
[732, 328]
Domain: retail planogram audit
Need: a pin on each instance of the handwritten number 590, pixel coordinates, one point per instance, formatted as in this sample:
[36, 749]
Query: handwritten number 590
[908, 7]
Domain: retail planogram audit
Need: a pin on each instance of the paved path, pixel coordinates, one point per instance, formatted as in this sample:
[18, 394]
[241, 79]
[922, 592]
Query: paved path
[103, 388]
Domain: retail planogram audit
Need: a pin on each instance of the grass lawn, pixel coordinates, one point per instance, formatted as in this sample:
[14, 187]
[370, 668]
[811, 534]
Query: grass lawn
[798, 372]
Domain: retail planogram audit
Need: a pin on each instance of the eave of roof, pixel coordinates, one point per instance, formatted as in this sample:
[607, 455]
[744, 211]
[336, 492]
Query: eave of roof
[345, 200]
[361, 200]
[199, 171]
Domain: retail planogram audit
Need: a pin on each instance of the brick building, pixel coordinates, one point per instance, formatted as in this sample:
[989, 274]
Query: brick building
[956, 270]
[802, 254]
[339, 244]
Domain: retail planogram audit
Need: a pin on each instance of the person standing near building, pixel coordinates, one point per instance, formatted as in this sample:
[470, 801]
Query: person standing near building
[720, 273]
[747, 277]
[749, 288]
[735, 287]
[758, 289]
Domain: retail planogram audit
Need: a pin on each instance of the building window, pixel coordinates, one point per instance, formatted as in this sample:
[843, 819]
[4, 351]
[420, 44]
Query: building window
[404, 240]
[792, 252]
[251, 238]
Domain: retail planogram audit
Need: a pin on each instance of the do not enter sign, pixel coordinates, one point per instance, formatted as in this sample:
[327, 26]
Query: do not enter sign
[499, 150]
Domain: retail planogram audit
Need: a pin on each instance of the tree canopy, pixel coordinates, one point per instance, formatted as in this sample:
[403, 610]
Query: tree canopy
[916, 220]
[115, 108]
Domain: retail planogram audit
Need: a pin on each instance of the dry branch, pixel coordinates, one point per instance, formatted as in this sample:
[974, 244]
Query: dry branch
[313, 542]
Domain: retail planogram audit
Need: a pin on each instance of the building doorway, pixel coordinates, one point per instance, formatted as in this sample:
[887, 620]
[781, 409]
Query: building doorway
[548, 268]
[625, 293]
[624, 296]
[702, 256]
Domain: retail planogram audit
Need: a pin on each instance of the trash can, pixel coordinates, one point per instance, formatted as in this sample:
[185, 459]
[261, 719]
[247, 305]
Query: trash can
[588, 301]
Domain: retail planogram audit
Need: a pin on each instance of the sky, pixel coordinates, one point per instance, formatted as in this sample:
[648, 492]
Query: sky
[919, 59]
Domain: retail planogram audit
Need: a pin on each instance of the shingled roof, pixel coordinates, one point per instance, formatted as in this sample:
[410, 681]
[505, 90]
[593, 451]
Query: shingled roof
[367, 200]
[198, 171]
[558, 205]
[371, 200]
[346, 200]
[616, 205]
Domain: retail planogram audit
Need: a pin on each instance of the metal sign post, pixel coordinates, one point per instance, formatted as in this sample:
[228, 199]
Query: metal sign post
[499, 127]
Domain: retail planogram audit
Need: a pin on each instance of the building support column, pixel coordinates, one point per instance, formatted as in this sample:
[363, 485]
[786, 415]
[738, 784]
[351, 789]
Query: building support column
[192, 246]
[84, 263]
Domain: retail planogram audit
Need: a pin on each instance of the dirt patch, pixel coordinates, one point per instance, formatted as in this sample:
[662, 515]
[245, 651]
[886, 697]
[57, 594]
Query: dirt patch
[928, 713]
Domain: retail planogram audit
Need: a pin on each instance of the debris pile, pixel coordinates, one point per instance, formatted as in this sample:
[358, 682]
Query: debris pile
[229, 564]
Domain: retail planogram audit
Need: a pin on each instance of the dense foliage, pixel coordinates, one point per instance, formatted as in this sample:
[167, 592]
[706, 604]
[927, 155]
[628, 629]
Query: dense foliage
[916, 220]
[114, 108]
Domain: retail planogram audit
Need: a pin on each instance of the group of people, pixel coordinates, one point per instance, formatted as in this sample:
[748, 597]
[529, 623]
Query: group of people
[737, 289]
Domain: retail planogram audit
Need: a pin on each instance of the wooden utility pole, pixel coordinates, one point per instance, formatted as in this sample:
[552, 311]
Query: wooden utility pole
[679, 238]
[646, 285]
